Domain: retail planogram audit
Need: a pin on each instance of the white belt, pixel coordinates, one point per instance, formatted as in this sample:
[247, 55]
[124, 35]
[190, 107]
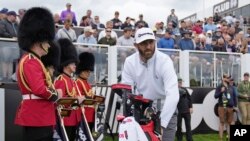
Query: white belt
[30, 96]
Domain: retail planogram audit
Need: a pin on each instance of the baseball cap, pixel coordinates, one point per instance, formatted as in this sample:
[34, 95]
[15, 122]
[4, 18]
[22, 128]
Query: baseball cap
[143, 34]
[4, 11]
[12, 13]
[88, 29]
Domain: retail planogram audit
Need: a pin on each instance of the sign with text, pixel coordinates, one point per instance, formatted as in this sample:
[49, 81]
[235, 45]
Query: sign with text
[238, 132]
[225, 6]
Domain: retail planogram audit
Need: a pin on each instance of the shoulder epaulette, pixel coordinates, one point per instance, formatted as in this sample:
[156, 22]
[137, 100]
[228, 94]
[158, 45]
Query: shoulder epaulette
[60, 77]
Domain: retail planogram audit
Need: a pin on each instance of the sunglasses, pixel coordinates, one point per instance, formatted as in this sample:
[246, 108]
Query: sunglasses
[108, 30]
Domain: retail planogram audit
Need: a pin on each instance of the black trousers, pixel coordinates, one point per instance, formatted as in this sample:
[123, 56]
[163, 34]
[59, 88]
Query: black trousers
[187, 120]
[71, 132]
[44, 133]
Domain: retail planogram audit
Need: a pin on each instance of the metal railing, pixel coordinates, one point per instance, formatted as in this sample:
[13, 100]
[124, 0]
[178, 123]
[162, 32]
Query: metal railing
[197, 68]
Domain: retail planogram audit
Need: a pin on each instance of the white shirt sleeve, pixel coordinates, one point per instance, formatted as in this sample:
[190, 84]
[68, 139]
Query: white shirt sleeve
[171, 92]
[127, 73]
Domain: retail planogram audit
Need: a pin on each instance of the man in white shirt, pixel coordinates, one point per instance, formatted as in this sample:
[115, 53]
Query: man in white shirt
[152, 73]
[67, 32]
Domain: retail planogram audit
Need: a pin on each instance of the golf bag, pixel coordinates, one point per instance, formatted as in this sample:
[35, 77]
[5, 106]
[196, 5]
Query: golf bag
[141, 109]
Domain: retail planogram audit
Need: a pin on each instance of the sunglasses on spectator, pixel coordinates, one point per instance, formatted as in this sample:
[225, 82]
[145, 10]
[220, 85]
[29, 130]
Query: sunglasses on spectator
[108, 30]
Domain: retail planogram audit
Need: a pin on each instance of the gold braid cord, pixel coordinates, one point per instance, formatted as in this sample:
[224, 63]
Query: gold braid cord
[48, 79]
[73, 92]
[88, 93]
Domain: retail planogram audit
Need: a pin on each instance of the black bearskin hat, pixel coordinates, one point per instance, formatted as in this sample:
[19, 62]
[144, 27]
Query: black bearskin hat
[68, 53]
[53, 56]
[87, 62]
[37, 25]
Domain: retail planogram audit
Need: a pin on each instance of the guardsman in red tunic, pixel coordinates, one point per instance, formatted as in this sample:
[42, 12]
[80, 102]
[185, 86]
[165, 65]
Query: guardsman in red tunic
[66, 83]
[83, 69]
[36, 112]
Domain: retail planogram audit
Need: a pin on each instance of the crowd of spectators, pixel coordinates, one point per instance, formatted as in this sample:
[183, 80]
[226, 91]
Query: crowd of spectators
[216, 33]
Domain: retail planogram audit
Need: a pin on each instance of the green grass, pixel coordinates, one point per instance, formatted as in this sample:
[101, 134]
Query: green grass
[196, 137]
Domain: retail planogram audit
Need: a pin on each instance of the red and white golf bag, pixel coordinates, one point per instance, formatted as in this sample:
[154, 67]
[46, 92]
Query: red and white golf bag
[139, 121]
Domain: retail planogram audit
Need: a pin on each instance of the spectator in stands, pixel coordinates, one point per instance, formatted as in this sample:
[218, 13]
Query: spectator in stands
[227, 38]
[57, 19]
[185, 109]
[3, 13]
[189, 25]
[126, 39]
[85, 21]
[183, 27]
[244, 99]
[170, 27]
[159, 28]
[237, 26]
[216, 18]
[88, 14]
[234, 19]
[222, 23]
[117, 23]
[167, 41]
[186, 42]
[157, 38]
[127, 23]
[213, 44]
[141, 23]
[221, 47]
[224, 31]
[210, 25]
[173, 18]
[228, 18]
[87, 37]
[197, 27]
[20, 15]
[97, 23]
[217, 34]
[209, 40]
[9, 26]
[227, 100]
[231, 46]
[95, 33]
[200, 42]
[67, 32]
[107, 39]
[68, 13]
[109, 25]
[231, 32]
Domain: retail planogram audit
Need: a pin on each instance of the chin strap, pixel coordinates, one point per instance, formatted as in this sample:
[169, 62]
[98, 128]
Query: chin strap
[46, 50]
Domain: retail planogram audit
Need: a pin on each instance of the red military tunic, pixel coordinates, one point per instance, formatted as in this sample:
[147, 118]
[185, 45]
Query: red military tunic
[68, 87]
[84, 88]
[36, 109]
